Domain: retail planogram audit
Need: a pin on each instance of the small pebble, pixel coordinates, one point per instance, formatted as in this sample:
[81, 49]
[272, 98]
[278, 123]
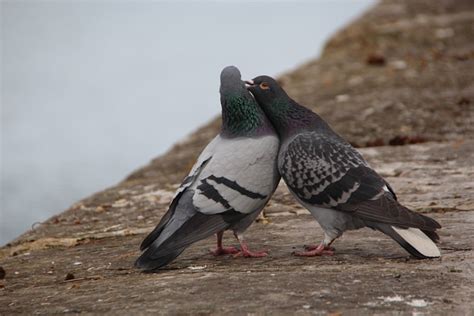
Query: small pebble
[69, 276]
[375, 59]
[197, 267]
[418, 303]
[443, 33]
[398, 64]
[342, 98]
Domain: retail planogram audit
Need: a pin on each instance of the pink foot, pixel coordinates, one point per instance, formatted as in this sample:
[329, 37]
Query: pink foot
[320, 250]
[251, 254]
[224, 251]
[314, 247]
[245, 251]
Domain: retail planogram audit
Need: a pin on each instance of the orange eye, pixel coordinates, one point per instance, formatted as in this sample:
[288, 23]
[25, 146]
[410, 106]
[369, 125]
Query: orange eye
[264, 86]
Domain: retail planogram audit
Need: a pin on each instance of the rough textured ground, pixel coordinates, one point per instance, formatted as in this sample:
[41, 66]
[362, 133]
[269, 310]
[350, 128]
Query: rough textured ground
[403, 73]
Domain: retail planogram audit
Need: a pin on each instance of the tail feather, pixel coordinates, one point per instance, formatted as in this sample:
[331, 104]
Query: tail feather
[157, 231]
[182, 201]
[431, 234]
[387, 210]
[170, 244]
[419, 241]
[415, 241]
[148, 263]
[198, 227]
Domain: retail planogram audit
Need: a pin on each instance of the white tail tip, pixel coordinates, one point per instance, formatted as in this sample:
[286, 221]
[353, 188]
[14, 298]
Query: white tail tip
[418, 240]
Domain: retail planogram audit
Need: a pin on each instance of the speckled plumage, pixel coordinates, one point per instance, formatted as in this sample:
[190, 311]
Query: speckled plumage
[332, 179]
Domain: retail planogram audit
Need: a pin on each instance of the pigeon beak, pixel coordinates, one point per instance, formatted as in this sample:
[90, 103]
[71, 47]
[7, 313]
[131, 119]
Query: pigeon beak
[249, 83]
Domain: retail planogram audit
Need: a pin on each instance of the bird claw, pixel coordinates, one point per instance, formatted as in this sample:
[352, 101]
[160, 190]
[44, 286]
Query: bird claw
[251, 254]
[312, 251]
[224, 251]
[314, 247]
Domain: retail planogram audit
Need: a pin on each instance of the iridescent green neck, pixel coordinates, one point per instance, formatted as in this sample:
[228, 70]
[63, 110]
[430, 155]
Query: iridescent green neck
[241, 116]
[288, 117]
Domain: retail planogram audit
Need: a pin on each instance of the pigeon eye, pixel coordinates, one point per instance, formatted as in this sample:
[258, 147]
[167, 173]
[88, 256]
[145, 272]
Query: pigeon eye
[264, 86]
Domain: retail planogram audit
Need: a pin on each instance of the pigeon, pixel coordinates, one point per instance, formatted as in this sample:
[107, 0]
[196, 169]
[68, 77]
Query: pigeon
[333, 181]
[231, 182]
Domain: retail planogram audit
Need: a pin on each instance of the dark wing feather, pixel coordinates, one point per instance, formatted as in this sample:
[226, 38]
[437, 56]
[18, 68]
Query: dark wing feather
[169, 214]
[149, 264]
[386, 209]
[389, 187]
[198, 227]
[161, 225]
[325, 171]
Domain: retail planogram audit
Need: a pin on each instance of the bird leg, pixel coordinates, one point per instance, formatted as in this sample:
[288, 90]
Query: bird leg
[324, 248]
[245, 251]
[223, 250]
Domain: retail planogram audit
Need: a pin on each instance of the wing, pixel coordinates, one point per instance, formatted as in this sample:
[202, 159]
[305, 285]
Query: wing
[325, 171]
[199, 165]
[230, 181]
[229, 176]
[182, 228]
[201, 162]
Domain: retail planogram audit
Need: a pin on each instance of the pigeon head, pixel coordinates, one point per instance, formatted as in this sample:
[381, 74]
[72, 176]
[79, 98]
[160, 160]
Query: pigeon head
[265, 89]
[231, 80]
[270, 96]
[241, 115]
[286, 115]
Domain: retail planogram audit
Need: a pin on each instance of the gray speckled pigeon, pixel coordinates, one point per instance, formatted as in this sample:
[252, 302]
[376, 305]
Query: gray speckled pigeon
[232, 180]
[334, 182]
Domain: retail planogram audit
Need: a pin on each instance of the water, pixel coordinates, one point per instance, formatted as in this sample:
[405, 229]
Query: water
[92, 90]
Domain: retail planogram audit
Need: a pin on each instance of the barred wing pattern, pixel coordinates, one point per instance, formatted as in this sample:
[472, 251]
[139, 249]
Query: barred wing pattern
[326, 172]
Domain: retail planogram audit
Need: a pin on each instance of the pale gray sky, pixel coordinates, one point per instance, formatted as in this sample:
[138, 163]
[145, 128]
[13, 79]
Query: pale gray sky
[91, 90]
